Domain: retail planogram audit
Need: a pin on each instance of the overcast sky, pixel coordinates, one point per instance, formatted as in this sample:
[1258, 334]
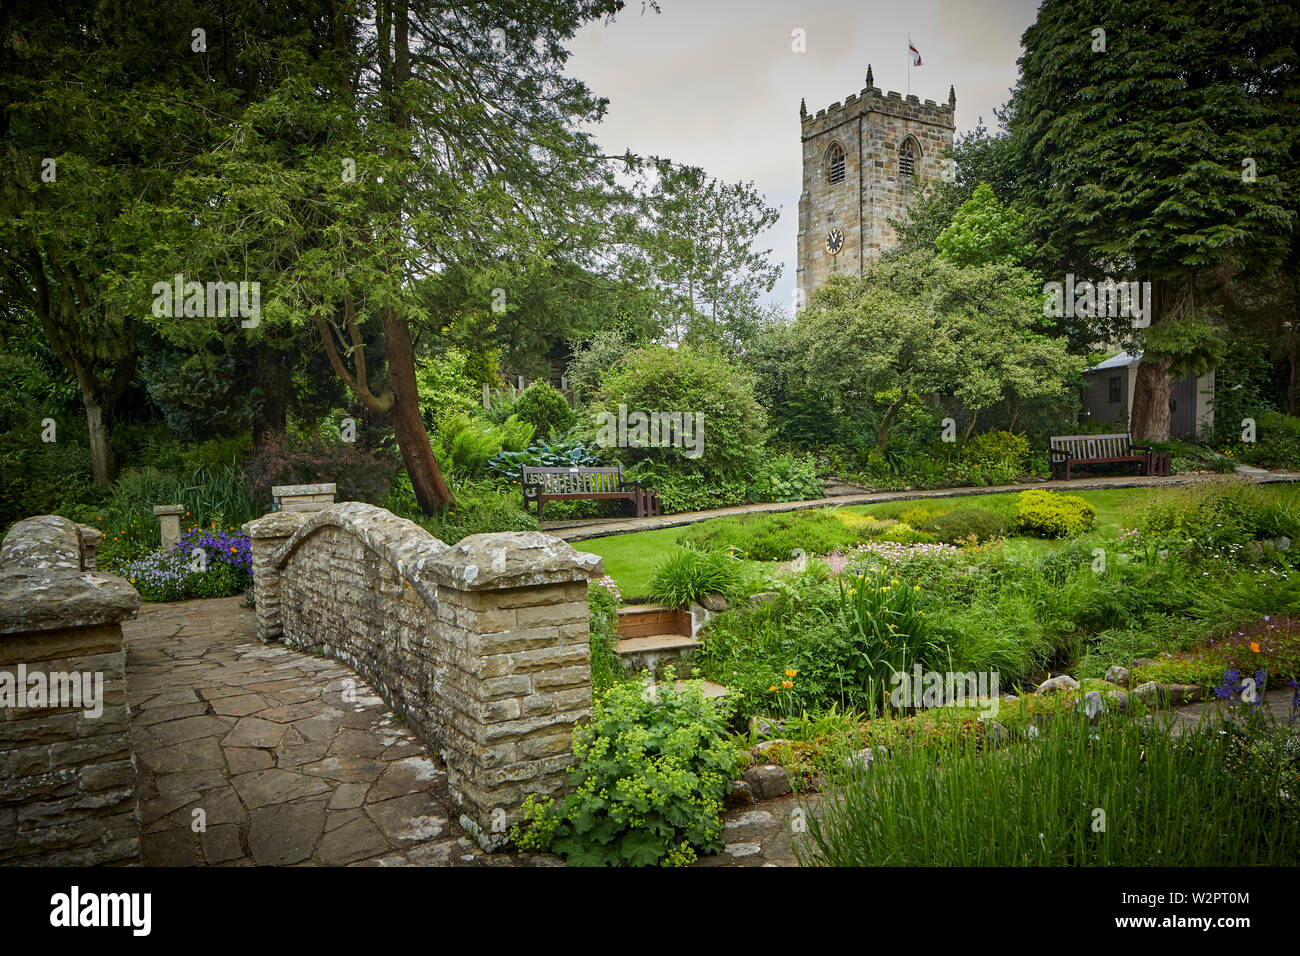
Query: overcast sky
[715, 83]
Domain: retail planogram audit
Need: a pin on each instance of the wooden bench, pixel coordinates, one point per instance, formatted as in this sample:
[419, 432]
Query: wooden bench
[563, 484]
[1067, 451]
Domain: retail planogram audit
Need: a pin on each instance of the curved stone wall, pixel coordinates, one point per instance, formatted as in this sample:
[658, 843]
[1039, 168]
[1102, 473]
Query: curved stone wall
[482, 647]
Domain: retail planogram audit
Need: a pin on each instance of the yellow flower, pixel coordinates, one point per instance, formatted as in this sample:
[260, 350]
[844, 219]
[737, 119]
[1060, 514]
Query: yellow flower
[916, 587]
[791, 673]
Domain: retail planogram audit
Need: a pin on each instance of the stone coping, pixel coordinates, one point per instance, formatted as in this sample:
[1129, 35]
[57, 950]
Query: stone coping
[291, 491]
[45, 542]
[168, 509]
[479, 562]
[48, 599]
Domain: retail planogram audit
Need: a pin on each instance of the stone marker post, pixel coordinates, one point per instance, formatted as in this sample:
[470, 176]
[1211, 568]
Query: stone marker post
[169, 523]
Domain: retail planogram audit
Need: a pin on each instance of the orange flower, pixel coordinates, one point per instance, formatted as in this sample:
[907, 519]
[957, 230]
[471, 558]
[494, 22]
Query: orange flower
[1254, 646]
[790, 673]
[787, 684]
[772, 688]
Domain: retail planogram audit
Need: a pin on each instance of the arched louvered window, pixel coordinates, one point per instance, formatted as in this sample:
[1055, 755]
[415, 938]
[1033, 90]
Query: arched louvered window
[835, 164]
[907, 160]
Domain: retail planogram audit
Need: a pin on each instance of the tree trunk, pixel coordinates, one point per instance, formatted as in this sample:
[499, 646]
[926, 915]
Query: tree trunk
[412, 437]
[971, 427]
[99, 422]
[1150, 415]
[883, 434]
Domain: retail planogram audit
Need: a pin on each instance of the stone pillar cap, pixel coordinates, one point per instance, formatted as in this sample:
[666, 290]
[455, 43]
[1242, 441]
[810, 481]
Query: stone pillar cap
[512, 559]
[327, 488]
[276, 524]
[168, 509]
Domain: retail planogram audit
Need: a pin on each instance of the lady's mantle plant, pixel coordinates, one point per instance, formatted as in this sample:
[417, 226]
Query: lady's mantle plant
[653, 771]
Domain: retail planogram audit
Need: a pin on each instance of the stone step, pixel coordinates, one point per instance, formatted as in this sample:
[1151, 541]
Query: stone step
[708, 688]
[647, 620]
[651, 650]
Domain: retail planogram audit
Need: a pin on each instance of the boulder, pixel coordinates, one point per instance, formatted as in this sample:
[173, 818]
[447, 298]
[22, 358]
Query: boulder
[715, 602]
[764, 727]
[767, 781]
[1155, 694]
[760, 751]
[763, 597]
[1057, 684]
[740, 795]
[1117, 675]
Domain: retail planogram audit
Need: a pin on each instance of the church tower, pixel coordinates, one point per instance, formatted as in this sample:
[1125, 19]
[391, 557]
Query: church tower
[864, 161]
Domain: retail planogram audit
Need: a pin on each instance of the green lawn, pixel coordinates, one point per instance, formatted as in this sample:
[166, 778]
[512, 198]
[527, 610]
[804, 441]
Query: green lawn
[630, 558]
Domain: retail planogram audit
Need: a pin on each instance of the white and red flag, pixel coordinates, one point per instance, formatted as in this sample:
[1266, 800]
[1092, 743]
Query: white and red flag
[916, 54]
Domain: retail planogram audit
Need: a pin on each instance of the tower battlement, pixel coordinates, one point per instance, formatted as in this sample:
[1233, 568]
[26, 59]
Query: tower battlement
[865, 160]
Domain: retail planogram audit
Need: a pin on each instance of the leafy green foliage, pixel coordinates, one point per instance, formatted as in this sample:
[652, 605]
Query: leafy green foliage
[686, 577]
[984, 231]
[690, 381]
[651, 776]
[545, 409]
[1049, 514]
[566, 452]
[954, 527]
[468, 444]
[603, 602]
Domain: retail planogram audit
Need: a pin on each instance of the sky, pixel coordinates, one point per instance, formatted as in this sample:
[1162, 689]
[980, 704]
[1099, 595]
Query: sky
[717, 83]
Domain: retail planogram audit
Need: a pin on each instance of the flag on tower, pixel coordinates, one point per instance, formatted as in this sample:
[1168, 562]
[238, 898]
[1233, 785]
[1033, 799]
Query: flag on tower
[916, 54]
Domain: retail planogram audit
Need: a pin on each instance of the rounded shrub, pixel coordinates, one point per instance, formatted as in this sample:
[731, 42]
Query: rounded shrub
[1048, 514]
[542, 405]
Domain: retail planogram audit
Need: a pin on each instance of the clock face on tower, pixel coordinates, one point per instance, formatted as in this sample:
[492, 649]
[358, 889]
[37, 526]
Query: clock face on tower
[834, 241]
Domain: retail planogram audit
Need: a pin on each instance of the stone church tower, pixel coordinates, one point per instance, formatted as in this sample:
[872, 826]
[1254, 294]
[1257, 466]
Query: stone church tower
[863, 162]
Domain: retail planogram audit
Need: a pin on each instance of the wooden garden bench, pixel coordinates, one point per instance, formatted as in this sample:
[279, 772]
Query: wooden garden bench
[562, 484]
[1069, 450]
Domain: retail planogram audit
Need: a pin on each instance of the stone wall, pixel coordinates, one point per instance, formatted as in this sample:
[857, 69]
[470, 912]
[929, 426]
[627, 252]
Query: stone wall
[67, 784]
[482, 647]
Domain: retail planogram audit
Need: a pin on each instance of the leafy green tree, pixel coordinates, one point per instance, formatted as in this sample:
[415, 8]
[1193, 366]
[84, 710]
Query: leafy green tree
[984, 231]
[1158, 153]
[918, 325]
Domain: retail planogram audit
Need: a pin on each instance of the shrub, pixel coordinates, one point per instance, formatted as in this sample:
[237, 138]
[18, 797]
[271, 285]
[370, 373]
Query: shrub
[479, 507]
[774, 537]
[360, 475]
[691, 381]
[1219, 514]
[542, 406]
[960, 525]
[449, 385]
[1048, 514]
[997, 448]
[786, 478]
[652, 774]
[1278, 442]
[689, 492]
[687, 576]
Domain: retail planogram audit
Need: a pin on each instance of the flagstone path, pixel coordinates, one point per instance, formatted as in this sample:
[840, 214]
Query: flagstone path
[286, 759]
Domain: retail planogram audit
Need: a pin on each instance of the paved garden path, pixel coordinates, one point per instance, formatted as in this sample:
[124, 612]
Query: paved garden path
[604, 527]
[285, 769]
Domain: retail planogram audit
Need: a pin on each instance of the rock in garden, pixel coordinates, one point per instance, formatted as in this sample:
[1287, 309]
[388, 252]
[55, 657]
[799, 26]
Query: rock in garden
[1143, 662]
[1155, 694]
[761, 750]
[1056, 684]
[764, 597]
[862, 759]
[1117, 675]
[715, 602]
[1117, 700]
[995, 733]
[764, 727]
[740, 795]
[767, 781]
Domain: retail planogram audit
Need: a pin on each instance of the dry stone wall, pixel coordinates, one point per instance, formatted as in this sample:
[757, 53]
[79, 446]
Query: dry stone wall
[482, 647]
[67, 784]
